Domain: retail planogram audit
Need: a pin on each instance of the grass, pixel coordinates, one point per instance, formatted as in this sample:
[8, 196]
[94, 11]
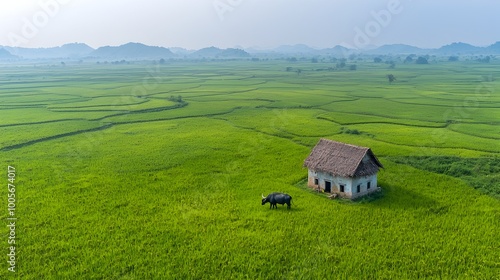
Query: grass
[489, 131]
[435, 137]
[18, 134]
[171, 190]
[481, 173]
[349, 118]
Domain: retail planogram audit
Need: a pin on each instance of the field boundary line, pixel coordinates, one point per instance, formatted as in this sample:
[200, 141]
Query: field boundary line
[43, 122]
[40, 140]
[438, 105]
[225, 93]
[267, 133]
[435, 147]
[148, 110]
[92, 106]
[380, 122]
[179, 117]
[475, 135]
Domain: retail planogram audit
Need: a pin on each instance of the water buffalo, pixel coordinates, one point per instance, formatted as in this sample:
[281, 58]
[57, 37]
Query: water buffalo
[277, 198]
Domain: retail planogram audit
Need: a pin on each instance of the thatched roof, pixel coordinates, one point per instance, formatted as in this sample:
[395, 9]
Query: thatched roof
[342, 159]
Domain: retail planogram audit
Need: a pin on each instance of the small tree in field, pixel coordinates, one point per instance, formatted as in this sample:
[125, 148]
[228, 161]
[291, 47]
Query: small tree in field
[422, 60]
[391, 78]
[485, 60]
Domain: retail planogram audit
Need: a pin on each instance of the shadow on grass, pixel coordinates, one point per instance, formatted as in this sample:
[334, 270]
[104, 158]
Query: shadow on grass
[390, 196]
[395, 197]
[293, 208]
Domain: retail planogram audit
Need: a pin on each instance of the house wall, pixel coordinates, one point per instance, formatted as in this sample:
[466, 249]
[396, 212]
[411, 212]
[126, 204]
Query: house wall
[335, 180]
[350, 189]
[363, 183]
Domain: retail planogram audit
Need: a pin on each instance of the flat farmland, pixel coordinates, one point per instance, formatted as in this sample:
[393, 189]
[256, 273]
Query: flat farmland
[155, 171]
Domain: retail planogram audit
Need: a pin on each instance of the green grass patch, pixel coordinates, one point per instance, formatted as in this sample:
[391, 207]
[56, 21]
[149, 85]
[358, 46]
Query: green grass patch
[15, 135]
[348, 118]
[481, 173]
[489, 131]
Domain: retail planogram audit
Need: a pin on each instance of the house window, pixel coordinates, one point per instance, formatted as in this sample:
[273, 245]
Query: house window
[368, 185]
[358, 188]
[316, 181]
[342, 187]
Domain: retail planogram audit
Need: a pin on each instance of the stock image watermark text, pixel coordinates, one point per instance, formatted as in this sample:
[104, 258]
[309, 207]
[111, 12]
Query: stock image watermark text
[11, 218]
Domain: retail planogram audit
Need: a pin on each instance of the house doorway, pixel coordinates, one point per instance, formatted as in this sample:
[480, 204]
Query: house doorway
[328, 186]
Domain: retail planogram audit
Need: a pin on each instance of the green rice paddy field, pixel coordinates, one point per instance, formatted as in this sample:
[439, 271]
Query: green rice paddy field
[156, 171]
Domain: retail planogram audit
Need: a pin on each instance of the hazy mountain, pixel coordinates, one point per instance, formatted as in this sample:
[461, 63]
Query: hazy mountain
[74, 50]
[138, 51]
[451, 49]
[494, 49]
[181, 51]
[335, 51]
[206, 52]
[459, 49]
[234, 53]
[6, 55]
[213, 52]
[131, 51]
[257, 50]
[396, 49]
[295, 49]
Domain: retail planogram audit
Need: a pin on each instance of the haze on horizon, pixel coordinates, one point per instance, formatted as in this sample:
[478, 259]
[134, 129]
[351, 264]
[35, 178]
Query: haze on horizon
[196, 24]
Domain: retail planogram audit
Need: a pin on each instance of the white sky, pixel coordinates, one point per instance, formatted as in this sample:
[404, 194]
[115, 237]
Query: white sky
[265, 23]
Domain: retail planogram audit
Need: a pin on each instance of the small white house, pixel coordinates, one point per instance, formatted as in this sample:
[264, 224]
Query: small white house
[348, 170]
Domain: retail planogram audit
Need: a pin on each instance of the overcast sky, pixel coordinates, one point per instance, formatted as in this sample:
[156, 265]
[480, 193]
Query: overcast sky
[249, 23]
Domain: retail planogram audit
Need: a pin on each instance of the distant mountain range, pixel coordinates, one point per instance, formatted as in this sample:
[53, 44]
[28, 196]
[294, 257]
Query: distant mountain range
[132, 51]
[138, 51]
[65, 51]
[6, 55]
[398, 49]
[394, 49]
[213, 52]
[129, 51]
